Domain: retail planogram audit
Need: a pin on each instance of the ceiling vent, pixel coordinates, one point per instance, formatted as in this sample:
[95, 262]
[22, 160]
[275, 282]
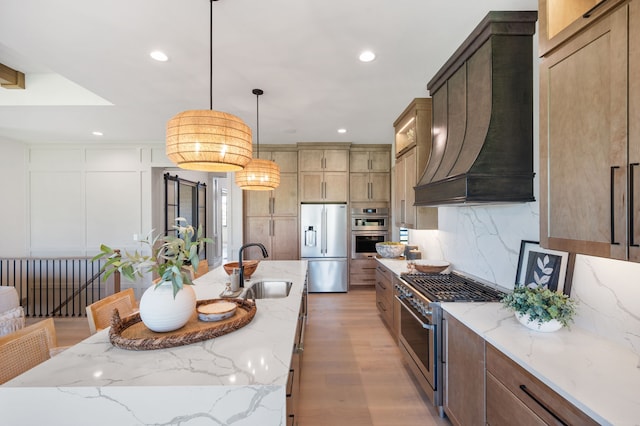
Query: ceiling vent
[482, 131]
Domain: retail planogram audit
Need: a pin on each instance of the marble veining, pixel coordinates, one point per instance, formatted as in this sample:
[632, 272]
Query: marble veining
[238, 379]
[598, 375]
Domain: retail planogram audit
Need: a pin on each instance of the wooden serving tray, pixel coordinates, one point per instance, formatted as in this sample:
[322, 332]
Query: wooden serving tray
[131, 333]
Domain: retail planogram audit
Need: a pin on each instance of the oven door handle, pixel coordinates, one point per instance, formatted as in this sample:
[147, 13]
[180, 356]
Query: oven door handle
[424, 325]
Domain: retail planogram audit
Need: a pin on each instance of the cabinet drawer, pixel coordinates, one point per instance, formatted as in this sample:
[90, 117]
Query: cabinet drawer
[362, 279]
[503, 407]
[537, 396]
[363, 266]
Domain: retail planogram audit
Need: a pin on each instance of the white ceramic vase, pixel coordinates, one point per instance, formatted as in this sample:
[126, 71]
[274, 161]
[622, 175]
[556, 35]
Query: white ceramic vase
[160, 312]
[546, 327]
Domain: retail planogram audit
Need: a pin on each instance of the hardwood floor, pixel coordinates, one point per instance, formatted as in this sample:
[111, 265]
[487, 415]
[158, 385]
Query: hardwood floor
[352, 369]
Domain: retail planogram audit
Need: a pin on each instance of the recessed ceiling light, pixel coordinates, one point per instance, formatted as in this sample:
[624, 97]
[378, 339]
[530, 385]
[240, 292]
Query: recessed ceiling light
[367, 56]
[342, 130]
[96, 133]
[159, 56]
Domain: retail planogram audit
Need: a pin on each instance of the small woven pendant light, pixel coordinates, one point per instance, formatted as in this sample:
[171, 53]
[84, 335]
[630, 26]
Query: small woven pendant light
[209, 140]
[258, 175]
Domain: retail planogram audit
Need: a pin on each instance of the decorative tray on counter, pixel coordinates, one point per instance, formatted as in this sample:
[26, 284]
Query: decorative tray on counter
[131, 333]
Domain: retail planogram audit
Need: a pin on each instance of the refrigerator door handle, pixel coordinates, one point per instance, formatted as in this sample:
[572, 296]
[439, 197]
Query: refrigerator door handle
[323, 236]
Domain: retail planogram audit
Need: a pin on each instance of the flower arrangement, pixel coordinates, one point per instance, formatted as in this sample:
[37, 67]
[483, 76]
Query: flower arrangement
[168, 260]
[541, 304]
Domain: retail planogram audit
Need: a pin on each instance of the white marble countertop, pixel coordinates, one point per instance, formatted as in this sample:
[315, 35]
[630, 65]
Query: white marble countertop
[598, 376]
[240, 377]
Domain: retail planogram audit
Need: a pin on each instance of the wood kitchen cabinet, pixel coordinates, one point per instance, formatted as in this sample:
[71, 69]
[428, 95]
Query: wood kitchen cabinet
[323, 175]
[384, 293]
[562, 19]
[513, 393]
[269, 216]
[590, 137]
[369, 177]
[412, 147]
[362, 272]
[464, 373]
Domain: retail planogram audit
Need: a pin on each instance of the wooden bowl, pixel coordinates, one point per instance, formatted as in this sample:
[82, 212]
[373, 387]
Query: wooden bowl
[430, 266]
[250, 267]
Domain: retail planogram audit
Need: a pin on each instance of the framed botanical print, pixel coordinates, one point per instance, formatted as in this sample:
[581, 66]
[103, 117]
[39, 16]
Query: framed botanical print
[540, 267]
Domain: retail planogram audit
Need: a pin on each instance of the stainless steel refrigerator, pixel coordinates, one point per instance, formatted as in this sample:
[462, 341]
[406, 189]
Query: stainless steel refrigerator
[323, 242]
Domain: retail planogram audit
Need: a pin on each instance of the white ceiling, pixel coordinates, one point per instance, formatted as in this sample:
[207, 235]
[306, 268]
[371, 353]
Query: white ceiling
[88, 66]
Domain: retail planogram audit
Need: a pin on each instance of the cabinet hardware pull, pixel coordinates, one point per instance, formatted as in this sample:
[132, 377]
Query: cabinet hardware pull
[613, 220]
[382, 306]
[631, 206]
[589, 12]
[380, 284]
[537, 401]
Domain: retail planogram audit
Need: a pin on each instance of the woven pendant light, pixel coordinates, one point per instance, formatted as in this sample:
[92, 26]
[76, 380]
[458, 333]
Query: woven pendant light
[209, 140]
[258, 175]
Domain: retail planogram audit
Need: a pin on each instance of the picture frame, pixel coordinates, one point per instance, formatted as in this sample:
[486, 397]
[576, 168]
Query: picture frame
[540, 266]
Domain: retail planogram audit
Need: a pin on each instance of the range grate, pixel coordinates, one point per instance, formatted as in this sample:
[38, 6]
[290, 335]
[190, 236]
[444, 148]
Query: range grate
[451, 288]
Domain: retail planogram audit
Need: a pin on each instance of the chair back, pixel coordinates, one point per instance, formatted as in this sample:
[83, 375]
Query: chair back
[99, 313]
[26, 348]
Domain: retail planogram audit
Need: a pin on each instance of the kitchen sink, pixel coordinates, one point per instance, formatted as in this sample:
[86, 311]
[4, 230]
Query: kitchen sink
[269, 289]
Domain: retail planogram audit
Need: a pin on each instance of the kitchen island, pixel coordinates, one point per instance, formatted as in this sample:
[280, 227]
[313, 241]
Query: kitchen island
[239, 378]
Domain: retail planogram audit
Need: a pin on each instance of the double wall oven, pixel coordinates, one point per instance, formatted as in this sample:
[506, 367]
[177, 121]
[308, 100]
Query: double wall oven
[419, 296]
[369, 225]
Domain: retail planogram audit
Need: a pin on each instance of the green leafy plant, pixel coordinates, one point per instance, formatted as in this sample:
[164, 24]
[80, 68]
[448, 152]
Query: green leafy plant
[168, 259]
[541, 304]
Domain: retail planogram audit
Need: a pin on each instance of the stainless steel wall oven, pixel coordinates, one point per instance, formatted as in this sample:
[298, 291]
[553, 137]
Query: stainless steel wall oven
[369, 225]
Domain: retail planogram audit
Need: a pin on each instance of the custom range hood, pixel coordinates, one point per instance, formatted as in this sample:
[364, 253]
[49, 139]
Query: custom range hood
[482, 131]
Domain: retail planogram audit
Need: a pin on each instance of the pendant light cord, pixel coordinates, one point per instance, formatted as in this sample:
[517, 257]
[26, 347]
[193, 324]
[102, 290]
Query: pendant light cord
[257, 92]
[211, 54]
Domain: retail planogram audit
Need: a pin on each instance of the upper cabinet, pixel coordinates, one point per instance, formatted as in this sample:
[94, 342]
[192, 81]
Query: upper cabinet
[369, 179]
[323, 174]
[562, 19]
[589, 146]
[269, 216]
[413, 147]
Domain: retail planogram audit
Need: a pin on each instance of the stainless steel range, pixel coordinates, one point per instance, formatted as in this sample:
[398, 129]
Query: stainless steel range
[420, 336]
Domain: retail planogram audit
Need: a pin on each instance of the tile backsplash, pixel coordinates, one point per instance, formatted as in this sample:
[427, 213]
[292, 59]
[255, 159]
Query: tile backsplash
[485, 242]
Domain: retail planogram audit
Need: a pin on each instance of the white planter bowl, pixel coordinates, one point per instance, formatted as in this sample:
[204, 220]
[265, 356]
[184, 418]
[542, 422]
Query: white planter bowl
[160, 312]
[545, 327]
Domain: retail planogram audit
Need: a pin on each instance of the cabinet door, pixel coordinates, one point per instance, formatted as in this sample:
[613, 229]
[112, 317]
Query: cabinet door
[287, 160]
[336, 160]
[310, 160]
[285, 238]
[359, 187]
[257, 230]
[634, 130]
[380, 187]
[285, 196]
[311, 186]
[257, 203]
[380, 161]
[399, 200]
[410, 178]
[359, 161]
[464, 374]
[336, 186]
[583, 141]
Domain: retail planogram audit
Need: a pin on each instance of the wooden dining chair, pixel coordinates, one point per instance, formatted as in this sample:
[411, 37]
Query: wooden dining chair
[99, 313]
[25, 348]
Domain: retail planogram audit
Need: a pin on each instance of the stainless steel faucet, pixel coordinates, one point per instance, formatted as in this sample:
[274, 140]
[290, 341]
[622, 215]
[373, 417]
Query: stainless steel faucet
[264, 254]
